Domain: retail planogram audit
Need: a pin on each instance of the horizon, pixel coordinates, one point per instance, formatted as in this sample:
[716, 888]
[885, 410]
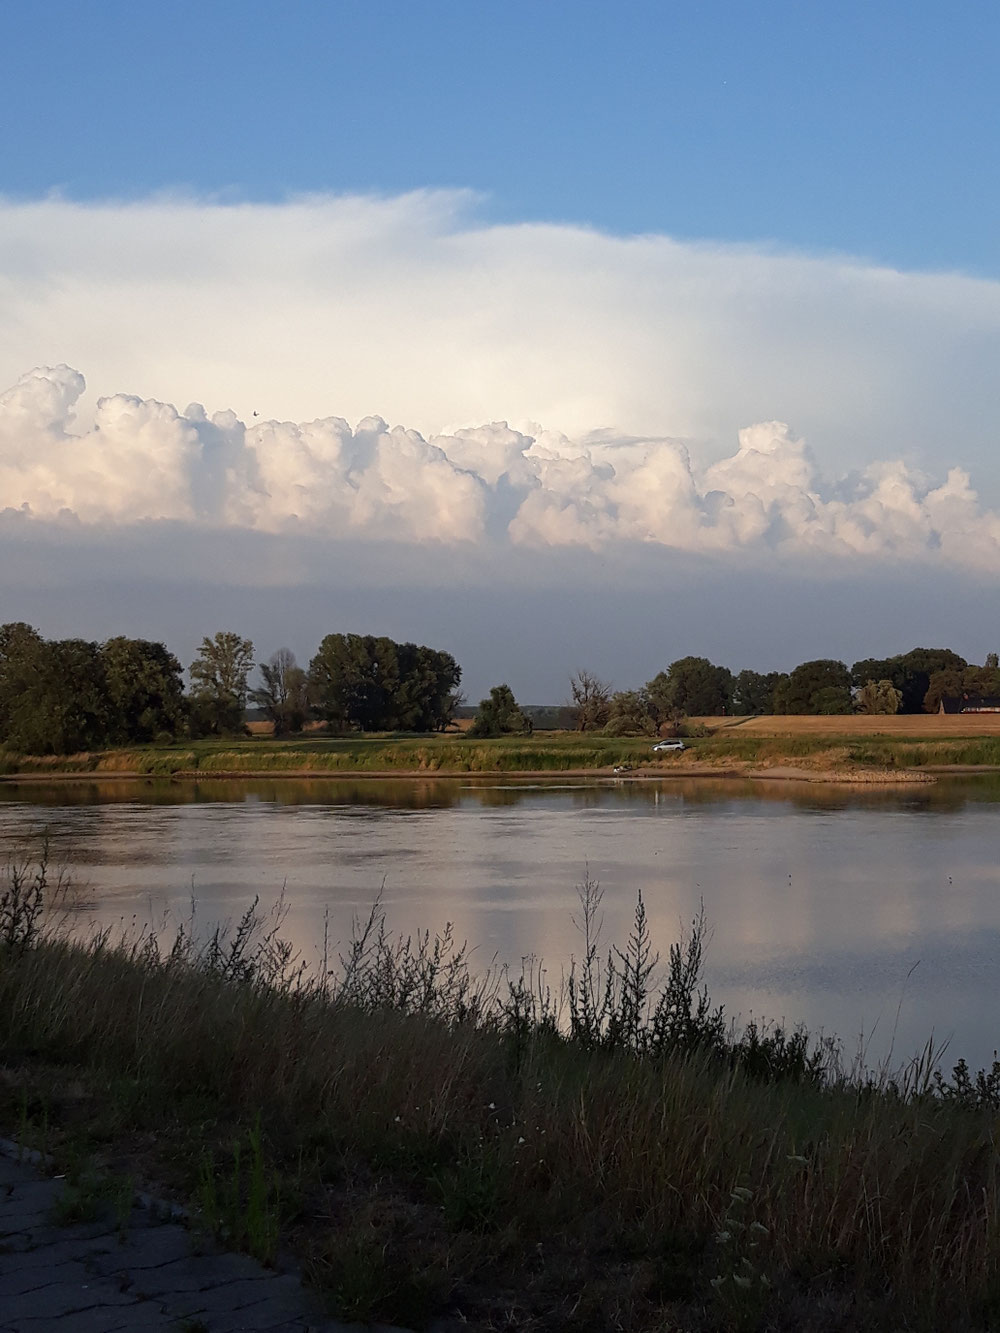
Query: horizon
[310, 339]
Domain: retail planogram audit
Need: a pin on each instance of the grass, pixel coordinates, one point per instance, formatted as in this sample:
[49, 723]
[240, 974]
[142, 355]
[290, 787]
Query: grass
[546, 752]
[612, 1155]
[843, 746]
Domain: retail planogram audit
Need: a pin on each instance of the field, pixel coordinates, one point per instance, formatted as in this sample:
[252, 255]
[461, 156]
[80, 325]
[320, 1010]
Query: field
[844, 747]
[916, 726]
[369, 754]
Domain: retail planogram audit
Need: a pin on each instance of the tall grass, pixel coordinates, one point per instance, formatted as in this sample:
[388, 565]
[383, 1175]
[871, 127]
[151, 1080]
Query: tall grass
[544, 752]
[371, 754]
[608, 1154]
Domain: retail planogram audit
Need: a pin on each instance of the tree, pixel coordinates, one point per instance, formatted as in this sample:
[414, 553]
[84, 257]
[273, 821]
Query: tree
[219, 677]
[942, 685]
[974, 682]
[500, 715]
[454, 700]
[18, 642]
[754, 692]
[982, 681]
[426, 694]
[820, 686]
[351, 676]
[284, 693]
[878, 696]
[58, 700]
[992, 661]
[145, 690]
[591, 700]
[375, 684]
[909, 672]
[15, 636]
[693, 686]
[631, 714]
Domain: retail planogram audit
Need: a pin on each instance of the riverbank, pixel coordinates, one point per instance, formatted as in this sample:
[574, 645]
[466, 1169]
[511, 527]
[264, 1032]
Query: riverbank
[727, 751]
[436, 1146]
[780, 773]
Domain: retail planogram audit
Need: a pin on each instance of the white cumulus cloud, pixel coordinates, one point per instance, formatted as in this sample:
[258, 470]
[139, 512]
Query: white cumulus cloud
[141, 460]
[413, 307]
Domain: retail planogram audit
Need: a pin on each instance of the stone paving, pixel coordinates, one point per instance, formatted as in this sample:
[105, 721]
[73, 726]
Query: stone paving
[140, 1270]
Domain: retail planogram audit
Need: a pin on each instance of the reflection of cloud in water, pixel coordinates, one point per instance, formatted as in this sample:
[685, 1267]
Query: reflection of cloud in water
[819, 899]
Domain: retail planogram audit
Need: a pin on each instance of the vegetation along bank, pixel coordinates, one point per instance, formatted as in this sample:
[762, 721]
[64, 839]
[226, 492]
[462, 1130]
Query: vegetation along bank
[494, 1153]
[73, 697]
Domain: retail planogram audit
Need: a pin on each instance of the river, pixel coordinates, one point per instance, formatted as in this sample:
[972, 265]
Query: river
[873, 914]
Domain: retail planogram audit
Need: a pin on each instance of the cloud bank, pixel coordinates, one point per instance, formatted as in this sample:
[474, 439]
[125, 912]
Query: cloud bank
[142, 461]
[413, 307]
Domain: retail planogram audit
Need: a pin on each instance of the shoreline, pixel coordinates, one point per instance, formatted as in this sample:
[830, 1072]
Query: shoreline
[355, 1115]
[732, 772]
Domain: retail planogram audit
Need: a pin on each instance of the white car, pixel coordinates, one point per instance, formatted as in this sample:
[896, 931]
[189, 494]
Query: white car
[668, 745]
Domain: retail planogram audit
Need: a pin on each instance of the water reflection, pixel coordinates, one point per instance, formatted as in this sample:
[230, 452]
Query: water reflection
[822, 898]
[950, 794]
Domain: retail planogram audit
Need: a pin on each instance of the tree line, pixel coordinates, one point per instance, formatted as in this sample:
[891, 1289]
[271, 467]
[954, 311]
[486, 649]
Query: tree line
[60, 696]
[912, 682]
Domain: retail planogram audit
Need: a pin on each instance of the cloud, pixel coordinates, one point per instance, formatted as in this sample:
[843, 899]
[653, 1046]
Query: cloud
[412, 307]
[143, 461]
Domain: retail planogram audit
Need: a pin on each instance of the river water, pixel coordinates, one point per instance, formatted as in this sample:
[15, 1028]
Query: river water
[870, 914]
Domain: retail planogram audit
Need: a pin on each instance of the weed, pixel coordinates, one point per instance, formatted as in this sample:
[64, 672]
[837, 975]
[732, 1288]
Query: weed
[742, 1289]
[471, 1190]
[563, 1155]
[370, 1270]
[22, 903]
[243, 1204]
[88, 1195]
[972, 1092]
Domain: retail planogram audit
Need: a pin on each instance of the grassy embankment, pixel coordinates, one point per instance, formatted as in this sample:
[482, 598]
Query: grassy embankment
[546, 752]
[429, 1144]
[843, 747]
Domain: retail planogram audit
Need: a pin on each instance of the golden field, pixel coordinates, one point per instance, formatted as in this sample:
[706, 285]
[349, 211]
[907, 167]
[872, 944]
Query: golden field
[916, 726]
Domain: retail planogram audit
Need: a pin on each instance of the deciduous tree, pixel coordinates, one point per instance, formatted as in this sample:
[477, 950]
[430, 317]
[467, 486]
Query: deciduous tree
[909, 672]
[878, 696]
[283, 693]
[145, 691]
[693, 686]
[375, 684]
[59, 702]
[754, 692]
[500, 715]
[18, 642]
[819, 686]
[631, 714]
[219, 683]
[591, 700]
[972, 683]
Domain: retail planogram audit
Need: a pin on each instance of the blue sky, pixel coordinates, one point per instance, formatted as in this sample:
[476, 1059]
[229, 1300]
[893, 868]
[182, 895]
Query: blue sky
[664, 328]
[856, 127]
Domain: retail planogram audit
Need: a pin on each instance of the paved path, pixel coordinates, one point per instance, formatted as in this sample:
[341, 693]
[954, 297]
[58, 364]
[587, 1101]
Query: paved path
[150, 1274]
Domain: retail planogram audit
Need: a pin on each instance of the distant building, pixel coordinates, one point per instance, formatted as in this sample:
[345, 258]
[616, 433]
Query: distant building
[969, 703]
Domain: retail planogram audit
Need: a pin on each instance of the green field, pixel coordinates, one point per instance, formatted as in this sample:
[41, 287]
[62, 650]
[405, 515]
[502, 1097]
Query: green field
[544, 752]
[548, 751]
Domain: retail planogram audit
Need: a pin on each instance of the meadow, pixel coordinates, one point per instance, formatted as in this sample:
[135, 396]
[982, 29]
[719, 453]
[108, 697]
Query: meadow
[835, 744]
[436, 1145]
[370, 753]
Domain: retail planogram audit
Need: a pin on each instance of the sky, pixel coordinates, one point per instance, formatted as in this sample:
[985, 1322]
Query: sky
[557, 335]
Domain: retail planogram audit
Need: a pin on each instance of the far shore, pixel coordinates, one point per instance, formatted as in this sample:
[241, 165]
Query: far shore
[777, 773]
[848, 750]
